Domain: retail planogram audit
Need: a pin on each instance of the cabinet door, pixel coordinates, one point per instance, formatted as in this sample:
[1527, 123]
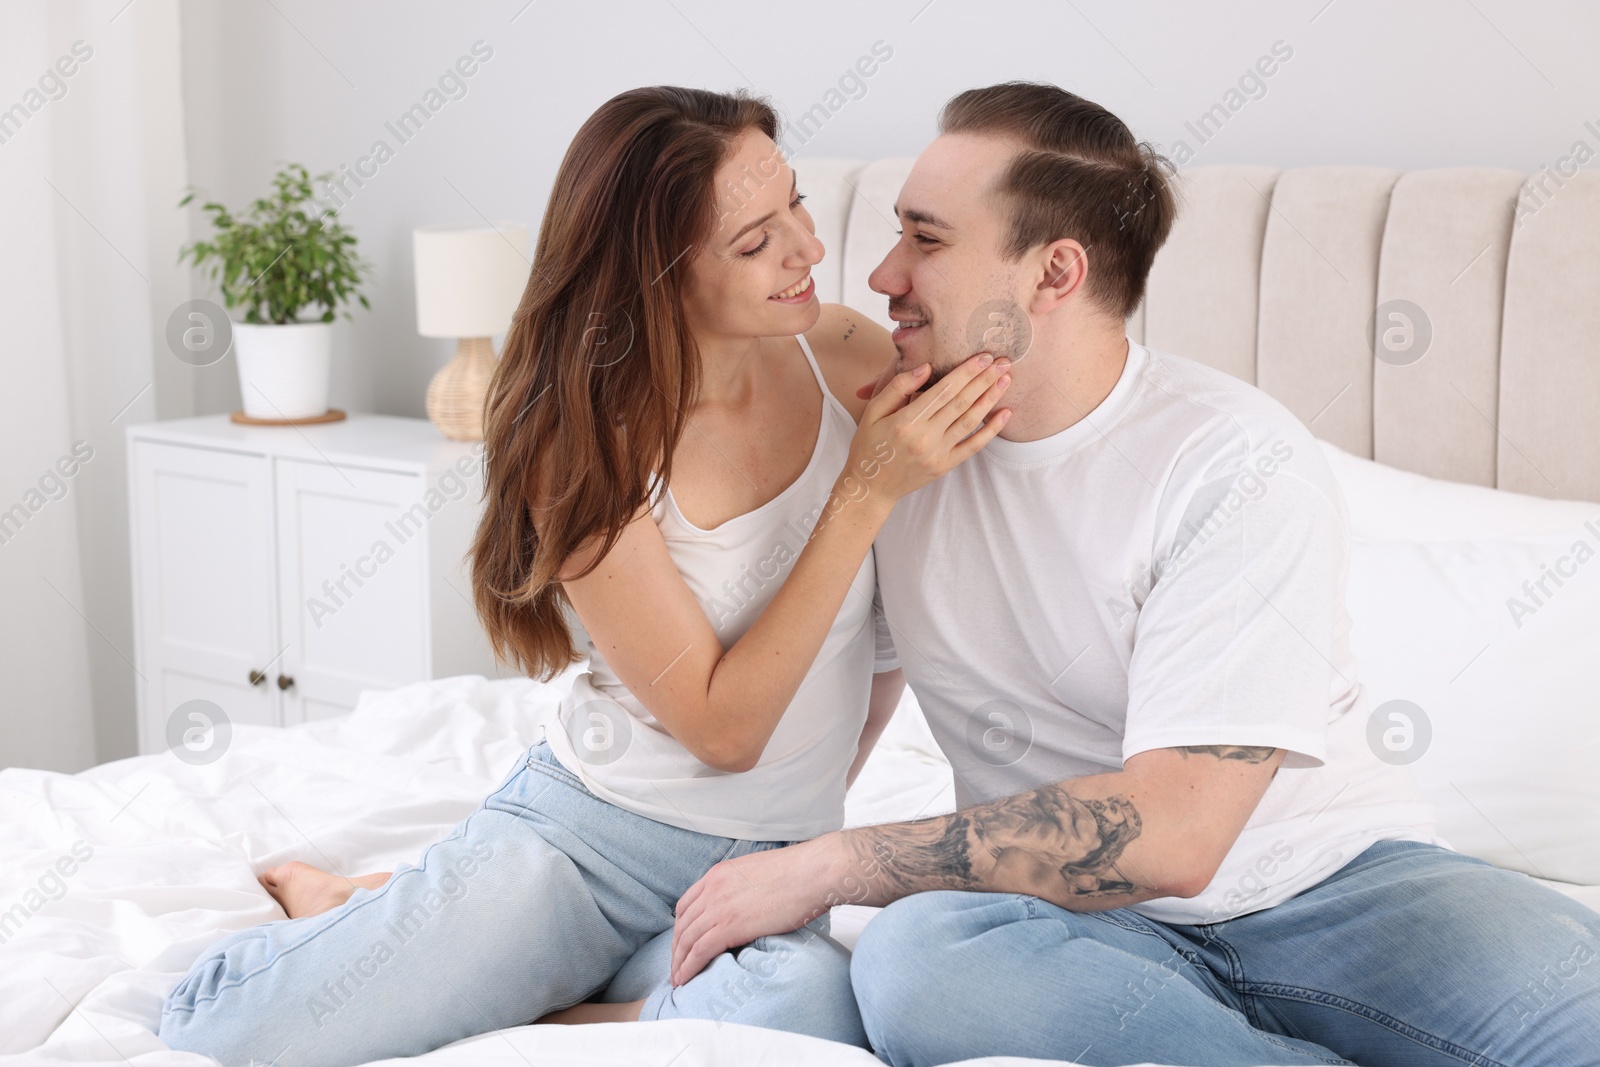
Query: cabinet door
[203, 564]
[352, 557]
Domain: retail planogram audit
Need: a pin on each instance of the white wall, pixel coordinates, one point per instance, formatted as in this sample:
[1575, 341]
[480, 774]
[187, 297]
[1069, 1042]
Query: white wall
[1424, 84]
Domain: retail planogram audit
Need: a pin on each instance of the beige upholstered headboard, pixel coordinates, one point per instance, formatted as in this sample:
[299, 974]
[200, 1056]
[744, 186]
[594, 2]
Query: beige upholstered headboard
[1276, 276]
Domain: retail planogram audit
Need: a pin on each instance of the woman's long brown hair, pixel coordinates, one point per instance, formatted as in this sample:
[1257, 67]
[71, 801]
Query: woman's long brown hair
[599, 370]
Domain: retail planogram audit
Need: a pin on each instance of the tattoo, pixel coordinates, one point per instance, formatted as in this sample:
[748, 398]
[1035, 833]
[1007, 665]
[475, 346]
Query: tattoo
[850, 331]
[927, 854]
[1048, 843]
[1239, 752]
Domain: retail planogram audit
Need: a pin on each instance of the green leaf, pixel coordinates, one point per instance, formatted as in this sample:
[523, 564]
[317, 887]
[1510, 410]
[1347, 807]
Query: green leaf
[277, 260]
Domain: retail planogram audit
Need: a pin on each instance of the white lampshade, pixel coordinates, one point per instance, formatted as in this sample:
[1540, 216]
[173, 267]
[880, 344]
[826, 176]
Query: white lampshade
[469, 277]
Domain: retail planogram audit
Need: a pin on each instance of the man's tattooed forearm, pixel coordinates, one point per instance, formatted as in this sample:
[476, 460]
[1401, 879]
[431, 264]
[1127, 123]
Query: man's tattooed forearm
[918, 856]
[1117, 823]
[1080, 839]
[1048, 843]
[1246, 753]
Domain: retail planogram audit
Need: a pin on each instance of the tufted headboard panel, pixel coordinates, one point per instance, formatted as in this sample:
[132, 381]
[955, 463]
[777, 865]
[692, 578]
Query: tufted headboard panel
[1279, 277]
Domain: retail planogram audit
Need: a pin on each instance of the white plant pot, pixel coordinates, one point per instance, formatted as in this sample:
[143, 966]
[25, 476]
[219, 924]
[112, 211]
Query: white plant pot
[283, 370]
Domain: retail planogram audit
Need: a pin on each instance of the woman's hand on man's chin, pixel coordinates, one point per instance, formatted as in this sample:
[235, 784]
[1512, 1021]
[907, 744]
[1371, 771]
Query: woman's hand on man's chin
[909, 436]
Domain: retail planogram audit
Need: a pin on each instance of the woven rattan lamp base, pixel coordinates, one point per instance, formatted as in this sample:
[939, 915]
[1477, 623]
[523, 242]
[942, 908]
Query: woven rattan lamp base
[457, 392]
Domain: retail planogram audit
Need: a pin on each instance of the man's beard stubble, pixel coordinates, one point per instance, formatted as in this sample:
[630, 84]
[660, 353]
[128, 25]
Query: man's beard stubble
[942, 360]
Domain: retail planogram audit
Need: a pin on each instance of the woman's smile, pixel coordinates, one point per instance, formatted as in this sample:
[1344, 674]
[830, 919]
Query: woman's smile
[799, 293]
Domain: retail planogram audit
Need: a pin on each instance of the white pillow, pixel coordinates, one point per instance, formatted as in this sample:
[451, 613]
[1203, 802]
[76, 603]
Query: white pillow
[1450, 616]
[1387, 504]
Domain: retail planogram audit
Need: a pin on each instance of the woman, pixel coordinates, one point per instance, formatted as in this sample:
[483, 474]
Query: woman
[669, 452]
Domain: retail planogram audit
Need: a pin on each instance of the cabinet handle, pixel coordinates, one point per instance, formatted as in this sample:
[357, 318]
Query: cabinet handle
[258, 677]
[284, 681]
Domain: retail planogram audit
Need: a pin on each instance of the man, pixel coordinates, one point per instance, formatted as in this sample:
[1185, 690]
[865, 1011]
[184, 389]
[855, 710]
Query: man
[1125, 622]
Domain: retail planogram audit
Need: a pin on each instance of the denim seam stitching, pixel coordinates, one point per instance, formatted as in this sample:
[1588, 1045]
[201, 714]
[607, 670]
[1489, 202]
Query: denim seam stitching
[558, 773]
[374, 895]
[1132, 927]
[1411, 1033]
[1194, 959]
[1249, 1008]
[1236, 978]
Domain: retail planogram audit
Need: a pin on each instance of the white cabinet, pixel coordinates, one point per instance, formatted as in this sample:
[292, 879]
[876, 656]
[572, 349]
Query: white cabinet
[278, 572]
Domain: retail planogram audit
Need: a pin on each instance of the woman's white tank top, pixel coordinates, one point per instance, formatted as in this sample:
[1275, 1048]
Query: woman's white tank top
[602, 733]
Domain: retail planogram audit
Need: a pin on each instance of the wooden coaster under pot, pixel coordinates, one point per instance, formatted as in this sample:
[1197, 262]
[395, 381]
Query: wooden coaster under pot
[331, 415]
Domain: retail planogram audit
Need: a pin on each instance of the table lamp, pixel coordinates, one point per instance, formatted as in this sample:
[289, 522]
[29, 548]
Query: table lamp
[470, 279]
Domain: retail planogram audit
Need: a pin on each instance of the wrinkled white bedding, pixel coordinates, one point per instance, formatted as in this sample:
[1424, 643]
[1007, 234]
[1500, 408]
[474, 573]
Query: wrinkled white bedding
[91, 945]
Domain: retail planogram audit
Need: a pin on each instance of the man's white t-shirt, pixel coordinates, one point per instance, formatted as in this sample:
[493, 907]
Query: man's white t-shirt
[1168, 571]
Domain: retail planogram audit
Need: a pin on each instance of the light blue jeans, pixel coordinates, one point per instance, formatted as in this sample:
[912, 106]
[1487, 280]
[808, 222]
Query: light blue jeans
[1411, 955]
[544, 897]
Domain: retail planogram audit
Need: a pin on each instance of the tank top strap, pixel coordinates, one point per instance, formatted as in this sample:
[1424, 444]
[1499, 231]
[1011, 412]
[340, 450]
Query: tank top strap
[822, 383]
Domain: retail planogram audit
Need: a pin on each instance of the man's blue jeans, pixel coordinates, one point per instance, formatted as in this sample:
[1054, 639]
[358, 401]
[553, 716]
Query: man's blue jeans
[539, 900]
[1411, 955]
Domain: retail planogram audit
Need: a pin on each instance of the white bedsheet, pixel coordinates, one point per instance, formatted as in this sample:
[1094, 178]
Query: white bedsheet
[174, 850]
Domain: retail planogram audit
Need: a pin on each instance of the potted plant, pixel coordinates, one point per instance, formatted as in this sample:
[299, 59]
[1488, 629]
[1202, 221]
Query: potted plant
[274, 262]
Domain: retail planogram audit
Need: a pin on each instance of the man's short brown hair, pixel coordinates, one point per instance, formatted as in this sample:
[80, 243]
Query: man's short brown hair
[1078, 173]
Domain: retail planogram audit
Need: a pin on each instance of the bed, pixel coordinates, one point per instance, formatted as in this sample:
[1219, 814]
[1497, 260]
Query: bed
[1467, 481]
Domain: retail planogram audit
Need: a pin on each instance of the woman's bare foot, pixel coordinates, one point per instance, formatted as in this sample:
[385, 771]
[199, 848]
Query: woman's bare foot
[597, 1013]
[303, 890]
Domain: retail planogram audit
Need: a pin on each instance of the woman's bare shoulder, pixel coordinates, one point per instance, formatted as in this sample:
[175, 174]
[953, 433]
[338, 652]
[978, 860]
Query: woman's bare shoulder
[852, 350]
